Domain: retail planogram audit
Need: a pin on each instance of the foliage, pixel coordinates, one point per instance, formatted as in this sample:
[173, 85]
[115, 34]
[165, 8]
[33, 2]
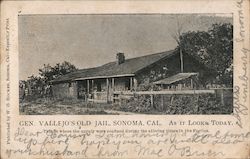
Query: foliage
[35, 81]
[49, 73]
[208, 104]
[139, 103]
[177, 104]
[213, 48]
[38, 86]
[181, 104]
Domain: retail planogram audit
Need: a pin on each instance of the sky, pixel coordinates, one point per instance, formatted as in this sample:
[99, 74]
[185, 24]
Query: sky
[92, 40]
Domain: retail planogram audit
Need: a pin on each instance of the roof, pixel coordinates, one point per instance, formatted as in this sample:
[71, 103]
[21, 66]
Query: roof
[128, 68]
[175, 78]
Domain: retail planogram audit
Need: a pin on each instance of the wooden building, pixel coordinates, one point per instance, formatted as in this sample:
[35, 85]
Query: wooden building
[99, 83]
[180, 81]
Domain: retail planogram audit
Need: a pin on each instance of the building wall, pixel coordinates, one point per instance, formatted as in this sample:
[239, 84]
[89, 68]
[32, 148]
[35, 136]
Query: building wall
[171, 66]
[162, 69]
[81, 89]
[65, 90]
[104, 85]
[120, 84]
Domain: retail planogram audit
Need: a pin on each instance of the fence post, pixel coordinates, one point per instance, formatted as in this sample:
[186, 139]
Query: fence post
[152, 100]
[222, 97]
[162, 101]
[120, 99]
[107, 85]
[113, 89]
[197, 107]
[171, 99]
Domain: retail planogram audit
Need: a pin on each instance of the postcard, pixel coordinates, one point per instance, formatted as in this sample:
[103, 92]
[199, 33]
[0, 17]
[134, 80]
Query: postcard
[125, 79]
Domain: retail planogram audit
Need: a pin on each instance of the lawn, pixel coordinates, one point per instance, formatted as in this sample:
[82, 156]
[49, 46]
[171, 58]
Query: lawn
[66, 107]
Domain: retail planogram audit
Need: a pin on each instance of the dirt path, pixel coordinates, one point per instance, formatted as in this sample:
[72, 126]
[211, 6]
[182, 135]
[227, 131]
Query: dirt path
[119, 112]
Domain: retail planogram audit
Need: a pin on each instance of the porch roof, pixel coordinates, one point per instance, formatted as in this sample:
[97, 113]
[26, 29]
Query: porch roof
[98, 77]
[176, 78]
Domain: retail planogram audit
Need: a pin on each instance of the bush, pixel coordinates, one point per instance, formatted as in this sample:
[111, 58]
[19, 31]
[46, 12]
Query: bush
[197, 104]
[139, 103]
[177, 104]
[181, 104]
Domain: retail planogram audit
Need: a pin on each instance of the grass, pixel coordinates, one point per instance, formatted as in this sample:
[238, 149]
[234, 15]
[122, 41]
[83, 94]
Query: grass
[181, 105]
[65, 106]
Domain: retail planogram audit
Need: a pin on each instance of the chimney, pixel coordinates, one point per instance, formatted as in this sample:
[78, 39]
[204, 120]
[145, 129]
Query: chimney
[120, 58]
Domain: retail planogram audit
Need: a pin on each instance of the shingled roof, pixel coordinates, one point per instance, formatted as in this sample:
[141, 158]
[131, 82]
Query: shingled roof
[176, 78]
[129, 67]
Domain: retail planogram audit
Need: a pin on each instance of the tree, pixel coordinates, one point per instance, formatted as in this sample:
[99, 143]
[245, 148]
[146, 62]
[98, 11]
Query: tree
[213, 48]
[177, 37]
[49, 73]
[37, 85]
[221, 48]
[34, 84]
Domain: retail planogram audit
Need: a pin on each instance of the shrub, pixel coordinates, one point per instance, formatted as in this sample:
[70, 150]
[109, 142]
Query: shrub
[139, 103]
[177, 104]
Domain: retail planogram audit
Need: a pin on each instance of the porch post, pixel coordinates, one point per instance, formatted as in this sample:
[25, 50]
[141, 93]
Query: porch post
[87, 89]
[191, 83]
[92, 85]
[113, 89]
[131, 83]
[107, 80]
[135, 84]
[113, 84]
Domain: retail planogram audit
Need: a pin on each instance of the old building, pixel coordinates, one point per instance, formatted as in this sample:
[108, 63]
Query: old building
[99, 83]
[180, 81]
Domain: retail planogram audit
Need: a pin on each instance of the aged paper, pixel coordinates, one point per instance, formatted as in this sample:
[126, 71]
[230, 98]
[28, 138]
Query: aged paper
[125, 79]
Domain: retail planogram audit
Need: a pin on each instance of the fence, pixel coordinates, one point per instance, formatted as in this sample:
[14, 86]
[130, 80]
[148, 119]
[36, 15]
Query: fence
[98, 97]
[128, 95]
[191, 100]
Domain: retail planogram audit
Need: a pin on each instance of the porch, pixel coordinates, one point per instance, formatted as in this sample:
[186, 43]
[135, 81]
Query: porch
[101, 89]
